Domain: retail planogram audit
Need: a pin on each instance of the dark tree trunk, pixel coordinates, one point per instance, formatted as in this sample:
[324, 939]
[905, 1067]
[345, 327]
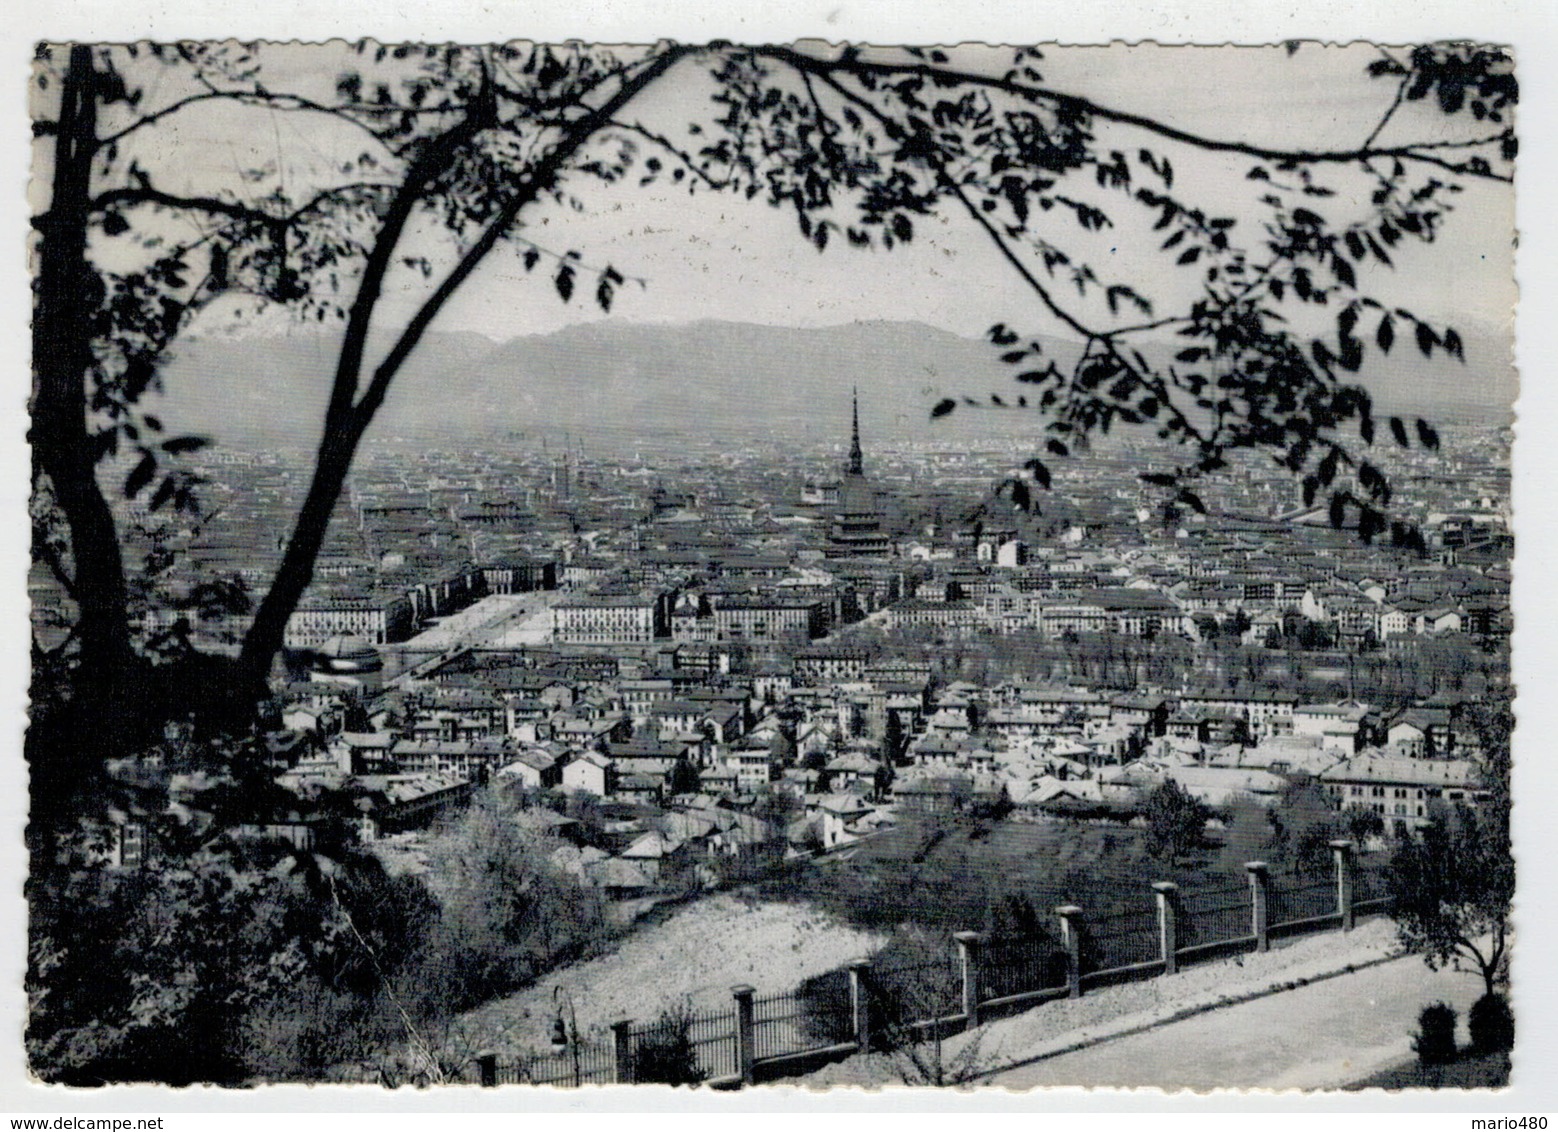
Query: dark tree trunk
[266, 633]
[349, 415]
[68, 294]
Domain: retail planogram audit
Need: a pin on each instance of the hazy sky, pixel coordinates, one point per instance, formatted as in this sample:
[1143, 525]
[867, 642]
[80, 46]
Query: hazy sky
[718, 256]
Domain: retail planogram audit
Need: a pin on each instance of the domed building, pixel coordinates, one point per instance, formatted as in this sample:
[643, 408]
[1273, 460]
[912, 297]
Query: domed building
[344, 659]
[856, 531]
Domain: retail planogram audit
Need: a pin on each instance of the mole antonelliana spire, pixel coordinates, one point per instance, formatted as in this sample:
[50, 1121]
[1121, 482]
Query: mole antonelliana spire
[856, 531]
[856, 468]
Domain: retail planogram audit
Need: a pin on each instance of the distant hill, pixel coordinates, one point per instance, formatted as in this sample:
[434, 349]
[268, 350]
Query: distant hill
[707, 377]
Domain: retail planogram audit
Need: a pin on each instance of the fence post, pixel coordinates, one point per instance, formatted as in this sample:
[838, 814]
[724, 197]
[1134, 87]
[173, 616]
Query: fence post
[1260, 883]
[622, 1049]
[1341, 848]
[487, 1069]
[1070, 926]
[744, 1027]
[1168, 924]
[859, 1004]
[968, 955]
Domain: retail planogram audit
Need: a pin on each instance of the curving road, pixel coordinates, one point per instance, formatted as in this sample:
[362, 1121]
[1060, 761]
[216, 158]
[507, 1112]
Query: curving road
[1325, 1035]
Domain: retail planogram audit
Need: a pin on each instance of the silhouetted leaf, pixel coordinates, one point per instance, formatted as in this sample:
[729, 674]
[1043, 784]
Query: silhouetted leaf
[140, 475]
[1385, 336]
[1192, 500]
[164, 493]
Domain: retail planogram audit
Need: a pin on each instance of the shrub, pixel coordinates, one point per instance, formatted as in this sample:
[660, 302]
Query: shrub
[1435, 1040]
[1492, 1025]
[665, 1055]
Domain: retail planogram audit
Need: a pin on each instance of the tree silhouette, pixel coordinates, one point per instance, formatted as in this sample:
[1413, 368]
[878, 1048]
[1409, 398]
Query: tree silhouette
[863, 145]
[1453, 881]
[1175, 821]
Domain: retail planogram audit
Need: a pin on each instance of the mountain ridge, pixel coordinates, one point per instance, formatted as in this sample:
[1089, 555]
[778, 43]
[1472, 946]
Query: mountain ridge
[709, 375]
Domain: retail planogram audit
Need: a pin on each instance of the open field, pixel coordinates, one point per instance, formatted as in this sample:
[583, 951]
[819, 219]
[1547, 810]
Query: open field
[695, 955]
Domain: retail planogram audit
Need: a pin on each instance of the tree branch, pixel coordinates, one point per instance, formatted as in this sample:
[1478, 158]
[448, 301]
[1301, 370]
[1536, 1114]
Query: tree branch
[670, 147]
[1401, 90]
[541, 176]
[1149, 381]
[49, 556]
[289, 102]
[215, 205]
[232, 209]
[851, 63]
[348, 418]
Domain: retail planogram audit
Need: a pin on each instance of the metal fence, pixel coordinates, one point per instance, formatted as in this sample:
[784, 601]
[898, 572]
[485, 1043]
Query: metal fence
[685, 1047]
[1299, 897]
[1371, 884]
[588, 1063]
[794, 1023]
[906, 998]
[1215, 914]
[907, 993]
[1023, 965]
[1123, 939]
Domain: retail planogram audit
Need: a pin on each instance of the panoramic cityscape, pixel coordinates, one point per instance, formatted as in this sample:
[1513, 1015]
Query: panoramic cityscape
[827, 696]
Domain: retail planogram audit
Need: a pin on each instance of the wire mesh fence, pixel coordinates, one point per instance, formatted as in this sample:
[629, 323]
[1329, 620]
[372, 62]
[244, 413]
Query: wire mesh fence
[1371, 883]
[1216, 913]
[1122, 939]
[1296, 897]
[905, 993]
[1020, 965]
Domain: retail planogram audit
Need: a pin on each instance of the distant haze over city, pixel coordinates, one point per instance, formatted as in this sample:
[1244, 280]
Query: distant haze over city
[738, 379]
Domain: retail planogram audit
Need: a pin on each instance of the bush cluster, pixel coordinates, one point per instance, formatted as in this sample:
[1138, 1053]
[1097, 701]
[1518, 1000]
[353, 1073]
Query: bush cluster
[1492, 1025]
[1435, 1039]
[247, 960]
